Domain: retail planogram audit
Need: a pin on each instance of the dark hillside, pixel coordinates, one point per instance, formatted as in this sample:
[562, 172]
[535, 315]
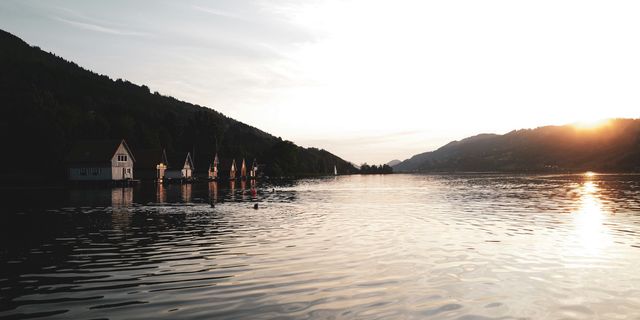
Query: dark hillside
[48, 103]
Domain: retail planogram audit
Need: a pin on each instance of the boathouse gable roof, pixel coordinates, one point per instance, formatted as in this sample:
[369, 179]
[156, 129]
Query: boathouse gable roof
[96, 152]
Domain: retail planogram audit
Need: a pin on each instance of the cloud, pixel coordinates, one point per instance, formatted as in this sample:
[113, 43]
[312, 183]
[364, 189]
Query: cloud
[99, 28]
[216, 12]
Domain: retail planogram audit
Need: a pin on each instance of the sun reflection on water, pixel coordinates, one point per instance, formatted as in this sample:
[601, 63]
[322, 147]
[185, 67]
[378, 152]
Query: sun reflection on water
[592, 235]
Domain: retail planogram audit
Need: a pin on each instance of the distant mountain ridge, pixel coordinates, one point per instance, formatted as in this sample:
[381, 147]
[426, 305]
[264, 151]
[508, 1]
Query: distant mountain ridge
[615, 146]
[48, 103]
[393, 162]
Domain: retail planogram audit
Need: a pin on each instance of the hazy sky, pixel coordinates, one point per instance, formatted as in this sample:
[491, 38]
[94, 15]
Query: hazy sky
[367, 80]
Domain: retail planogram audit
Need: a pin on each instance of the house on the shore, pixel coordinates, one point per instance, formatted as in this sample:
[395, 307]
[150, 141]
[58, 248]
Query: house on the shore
[151, 164]
[220, 169]
[254, 169]
[213, 169]
[101, 160]
[243, 170]
[180, 166]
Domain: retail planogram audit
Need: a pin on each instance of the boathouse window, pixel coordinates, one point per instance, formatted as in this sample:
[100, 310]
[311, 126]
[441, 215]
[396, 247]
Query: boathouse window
[122, 157]
[95, 171]
[83, 171]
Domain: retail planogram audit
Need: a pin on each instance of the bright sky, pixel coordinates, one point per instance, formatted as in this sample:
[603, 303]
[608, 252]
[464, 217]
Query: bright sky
[370, 81]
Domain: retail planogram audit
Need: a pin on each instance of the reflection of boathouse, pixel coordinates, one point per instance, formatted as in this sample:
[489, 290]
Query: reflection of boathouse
[101, 160]
[106, 197]
[185, 192]
[161, 194]
[121, 197]
[213, 192]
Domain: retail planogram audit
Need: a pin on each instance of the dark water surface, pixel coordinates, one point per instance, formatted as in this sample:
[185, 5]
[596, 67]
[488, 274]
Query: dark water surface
[396, 246]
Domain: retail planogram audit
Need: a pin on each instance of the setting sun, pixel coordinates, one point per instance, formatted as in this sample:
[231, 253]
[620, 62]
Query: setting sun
[591, 124]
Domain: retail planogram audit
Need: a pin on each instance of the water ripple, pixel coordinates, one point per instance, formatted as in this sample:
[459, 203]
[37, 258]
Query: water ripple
[375, 247]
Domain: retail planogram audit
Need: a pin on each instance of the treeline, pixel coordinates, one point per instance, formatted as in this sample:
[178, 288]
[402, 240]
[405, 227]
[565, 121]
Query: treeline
[48, 104]
[373, 169]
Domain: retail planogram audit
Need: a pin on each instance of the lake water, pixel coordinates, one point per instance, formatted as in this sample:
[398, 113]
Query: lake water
[394, 246]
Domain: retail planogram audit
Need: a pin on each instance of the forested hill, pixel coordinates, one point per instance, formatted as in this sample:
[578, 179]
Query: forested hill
[611, 147]
[48, 103]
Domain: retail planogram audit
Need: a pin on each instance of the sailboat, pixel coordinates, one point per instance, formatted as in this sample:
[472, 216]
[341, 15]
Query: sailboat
[232, 171]
[335, 170]
[243, 170]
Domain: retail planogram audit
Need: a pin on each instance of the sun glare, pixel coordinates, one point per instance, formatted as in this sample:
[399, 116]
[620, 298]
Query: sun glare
[591, 124]
[591, 232]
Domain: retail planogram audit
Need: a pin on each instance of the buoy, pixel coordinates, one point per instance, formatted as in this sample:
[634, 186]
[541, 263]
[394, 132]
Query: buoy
[255, 206]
